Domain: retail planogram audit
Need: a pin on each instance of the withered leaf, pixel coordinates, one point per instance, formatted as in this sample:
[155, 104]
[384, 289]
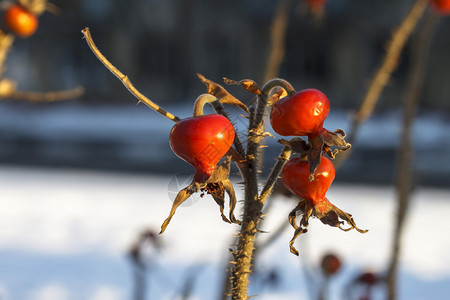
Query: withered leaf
[247, 84]
[221, 93]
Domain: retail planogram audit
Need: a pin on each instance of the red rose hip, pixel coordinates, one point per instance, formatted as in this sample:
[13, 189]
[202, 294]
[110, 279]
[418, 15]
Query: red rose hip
[302, 114]
[202, 141]
[20, 21]
[295, 176]
[441, 6]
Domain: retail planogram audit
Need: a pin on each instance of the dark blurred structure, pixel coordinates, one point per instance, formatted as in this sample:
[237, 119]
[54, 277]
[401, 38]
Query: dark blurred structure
[161, 45]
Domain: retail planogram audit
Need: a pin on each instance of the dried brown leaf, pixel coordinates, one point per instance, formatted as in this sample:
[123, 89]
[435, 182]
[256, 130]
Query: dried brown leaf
[247, 84]
[221, 93]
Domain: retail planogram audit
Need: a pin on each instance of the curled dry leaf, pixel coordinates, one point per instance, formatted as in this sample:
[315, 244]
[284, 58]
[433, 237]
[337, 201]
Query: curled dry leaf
[247, 84]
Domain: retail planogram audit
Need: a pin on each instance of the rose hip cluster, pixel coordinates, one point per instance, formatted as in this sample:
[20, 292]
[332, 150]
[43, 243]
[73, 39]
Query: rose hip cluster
[204, 140]
[310, 174]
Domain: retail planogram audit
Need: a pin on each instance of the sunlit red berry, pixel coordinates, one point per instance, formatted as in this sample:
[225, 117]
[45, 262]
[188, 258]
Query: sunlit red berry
[316, 4]
[202, 141]
[295, 176]
[302, 114]
[20, 21]
[441, 6]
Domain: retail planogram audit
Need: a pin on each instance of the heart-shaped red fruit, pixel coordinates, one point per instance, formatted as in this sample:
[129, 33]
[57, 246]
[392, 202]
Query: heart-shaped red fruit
[302, 114]
[202, 141]
[295, 176]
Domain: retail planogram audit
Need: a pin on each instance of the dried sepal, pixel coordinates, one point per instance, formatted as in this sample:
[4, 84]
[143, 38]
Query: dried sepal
[326, 212]
[247, 84]
[182, 196]
[335, 139]
[332, 217]
[315, 152]
[329, 142]
[306, 209]
[233, 201]
[217, 185]
[218, 193]
[221, 93]
[297, 144]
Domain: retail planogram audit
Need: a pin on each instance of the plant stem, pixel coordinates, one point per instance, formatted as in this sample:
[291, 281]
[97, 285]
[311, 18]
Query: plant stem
[404, 171]
[254, 203]
[201, 101]
[252, 207]
[124, 79]
[268, 187]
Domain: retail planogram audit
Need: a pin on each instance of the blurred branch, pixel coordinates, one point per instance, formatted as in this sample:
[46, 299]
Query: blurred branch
[44, 97]
[38, 7]
[277, 37]
[389, 64]
[420, 50]
[124, 79]
[6, 41]
[381, 78]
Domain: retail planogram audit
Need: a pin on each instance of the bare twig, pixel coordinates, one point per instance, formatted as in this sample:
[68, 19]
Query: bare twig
[404, 171]
[126, 82]
[389, 64]
[277, 36]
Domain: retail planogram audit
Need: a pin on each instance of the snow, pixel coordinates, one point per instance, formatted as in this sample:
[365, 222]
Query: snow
[64, 235]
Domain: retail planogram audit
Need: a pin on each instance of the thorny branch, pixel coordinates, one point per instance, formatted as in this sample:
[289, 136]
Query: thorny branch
[273, 176]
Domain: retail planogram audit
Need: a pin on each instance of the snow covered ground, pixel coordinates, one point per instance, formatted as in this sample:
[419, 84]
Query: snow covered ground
[64, 235]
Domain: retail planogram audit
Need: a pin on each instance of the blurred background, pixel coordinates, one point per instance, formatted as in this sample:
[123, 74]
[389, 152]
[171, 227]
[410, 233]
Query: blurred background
[80, 179]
